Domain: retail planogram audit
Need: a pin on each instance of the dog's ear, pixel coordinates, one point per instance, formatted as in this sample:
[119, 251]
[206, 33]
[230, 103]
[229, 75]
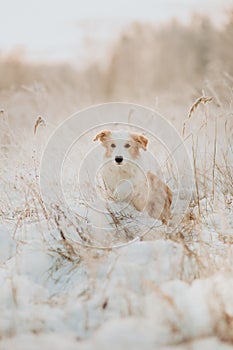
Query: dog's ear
[142, 140]
[102, 136]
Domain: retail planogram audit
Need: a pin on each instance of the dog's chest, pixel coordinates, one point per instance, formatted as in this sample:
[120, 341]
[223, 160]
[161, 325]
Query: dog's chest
[113, 175]
[125, 183]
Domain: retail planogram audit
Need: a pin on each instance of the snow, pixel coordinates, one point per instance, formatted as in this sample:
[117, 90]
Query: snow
[162, 291]
[170, 289]
[131, 297]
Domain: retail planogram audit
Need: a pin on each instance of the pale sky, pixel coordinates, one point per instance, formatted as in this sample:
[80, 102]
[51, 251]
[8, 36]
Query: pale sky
[56, 29]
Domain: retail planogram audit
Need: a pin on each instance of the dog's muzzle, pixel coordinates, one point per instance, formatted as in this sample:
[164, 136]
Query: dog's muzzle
[119, 159]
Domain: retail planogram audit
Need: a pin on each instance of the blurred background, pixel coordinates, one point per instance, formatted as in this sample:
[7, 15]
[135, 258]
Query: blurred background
[58, 57]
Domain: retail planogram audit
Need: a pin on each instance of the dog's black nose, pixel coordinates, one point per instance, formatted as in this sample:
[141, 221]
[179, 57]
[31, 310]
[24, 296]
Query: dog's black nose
[119, 159]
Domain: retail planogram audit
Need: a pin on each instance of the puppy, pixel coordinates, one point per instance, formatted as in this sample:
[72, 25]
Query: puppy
[124, 179]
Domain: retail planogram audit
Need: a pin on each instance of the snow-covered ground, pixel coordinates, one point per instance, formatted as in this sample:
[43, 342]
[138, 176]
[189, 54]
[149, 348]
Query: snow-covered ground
[159, 293]
[167, 291]
[170, 289]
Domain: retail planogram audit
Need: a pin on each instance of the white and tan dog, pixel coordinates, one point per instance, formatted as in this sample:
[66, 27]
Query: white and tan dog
[124, 178]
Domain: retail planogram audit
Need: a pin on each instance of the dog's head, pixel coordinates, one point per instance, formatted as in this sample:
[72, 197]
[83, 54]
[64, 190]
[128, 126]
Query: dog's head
[121, 145]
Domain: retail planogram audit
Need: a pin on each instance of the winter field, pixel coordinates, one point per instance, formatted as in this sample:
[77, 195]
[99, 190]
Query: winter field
[172, 287]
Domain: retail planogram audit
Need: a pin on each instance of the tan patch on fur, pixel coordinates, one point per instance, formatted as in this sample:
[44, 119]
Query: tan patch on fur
[103, 136]
[160, 199]
[106, 145]
[134, 150]
[141, 140]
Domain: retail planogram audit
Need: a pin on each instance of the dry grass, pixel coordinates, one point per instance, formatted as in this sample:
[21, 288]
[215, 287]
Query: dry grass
[203, 239]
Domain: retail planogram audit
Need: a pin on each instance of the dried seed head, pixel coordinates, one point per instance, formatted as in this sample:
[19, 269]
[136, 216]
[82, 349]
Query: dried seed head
[39, 122]
[203, 100]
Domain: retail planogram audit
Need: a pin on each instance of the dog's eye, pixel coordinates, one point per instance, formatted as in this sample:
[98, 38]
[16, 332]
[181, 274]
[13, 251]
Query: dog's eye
[113, 145]
[127, 145]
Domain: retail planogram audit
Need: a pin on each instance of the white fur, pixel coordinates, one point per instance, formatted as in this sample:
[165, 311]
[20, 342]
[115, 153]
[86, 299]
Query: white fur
[127, 181]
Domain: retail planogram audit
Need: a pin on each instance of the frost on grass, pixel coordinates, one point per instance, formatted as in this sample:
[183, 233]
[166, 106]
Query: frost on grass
[170, 289]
